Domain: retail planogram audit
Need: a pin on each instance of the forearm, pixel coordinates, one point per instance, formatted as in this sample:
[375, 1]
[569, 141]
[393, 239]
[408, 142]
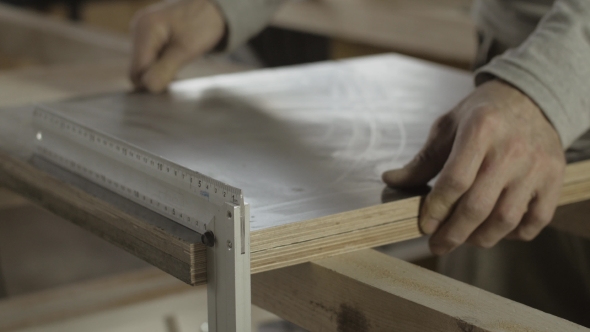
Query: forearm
[552, 67]
[245, 18]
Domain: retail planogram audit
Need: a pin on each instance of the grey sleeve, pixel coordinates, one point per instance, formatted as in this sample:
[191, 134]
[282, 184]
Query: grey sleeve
[245, 18]
[552, 67]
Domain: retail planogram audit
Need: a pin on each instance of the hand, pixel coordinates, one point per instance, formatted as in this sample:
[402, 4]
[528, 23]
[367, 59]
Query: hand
[501, 168]
[168, 35]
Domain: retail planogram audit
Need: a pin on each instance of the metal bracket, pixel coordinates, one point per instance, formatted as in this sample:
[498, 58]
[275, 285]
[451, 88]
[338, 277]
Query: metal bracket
[228, 270]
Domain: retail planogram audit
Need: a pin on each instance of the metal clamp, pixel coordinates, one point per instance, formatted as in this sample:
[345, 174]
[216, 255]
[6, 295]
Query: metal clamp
[228, 270]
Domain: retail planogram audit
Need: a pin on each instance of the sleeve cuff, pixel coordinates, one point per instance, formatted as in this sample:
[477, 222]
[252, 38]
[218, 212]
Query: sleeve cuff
[569, 129]
[244, 19]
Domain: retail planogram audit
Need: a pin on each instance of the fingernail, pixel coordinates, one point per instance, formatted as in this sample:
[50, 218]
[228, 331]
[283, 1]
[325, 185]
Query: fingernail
[429, 226]
[438, 249]
[390, 176]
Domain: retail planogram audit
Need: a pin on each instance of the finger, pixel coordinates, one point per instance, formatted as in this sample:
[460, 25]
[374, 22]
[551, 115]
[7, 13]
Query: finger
[162, 72]
[456, 177]
[429, 161]
[423, 168]
[471, 211]
[149, 38]
[539, 215]
[505, 217]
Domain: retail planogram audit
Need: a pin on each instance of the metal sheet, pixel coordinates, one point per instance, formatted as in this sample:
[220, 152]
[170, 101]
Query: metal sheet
[302, 142]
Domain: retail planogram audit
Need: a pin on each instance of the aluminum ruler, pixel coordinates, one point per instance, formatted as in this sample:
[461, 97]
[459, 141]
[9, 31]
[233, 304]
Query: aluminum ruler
[212, 208]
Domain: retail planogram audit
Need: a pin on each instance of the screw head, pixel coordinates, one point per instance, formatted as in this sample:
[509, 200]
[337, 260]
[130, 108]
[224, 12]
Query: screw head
[208, 239]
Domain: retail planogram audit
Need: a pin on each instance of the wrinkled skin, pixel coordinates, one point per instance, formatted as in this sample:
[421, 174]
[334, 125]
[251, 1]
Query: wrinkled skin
[500, 164]
[168, 35]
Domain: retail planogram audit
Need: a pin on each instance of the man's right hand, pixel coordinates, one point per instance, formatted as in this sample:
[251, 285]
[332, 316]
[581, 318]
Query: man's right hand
[168, 35]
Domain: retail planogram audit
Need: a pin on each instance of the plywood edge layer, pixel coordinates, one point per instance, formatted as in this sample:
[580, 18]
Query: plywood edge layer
[305, 241]
[576, 184]
[184, 260]
[87, 297]
[301, 252]
[577, 172]
[335, 224]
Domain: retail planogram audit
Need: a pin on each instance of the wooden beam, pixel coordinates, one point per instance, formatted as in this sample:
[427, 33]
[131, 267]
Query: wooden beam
[10, 200]
[431, 29]
[370, 291]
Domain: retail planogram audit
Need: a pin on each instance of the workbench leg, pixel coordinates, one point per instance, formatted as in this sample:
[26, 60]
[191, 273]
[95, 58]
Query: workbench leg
[369, 291]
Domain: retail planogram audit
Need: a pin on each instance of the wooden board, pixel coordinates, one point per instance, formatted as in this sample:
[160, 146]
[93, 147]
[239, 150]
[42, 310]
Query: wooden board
[47, 41]
[9, 199]
[439, 30]
[308, 146]
[369, 291]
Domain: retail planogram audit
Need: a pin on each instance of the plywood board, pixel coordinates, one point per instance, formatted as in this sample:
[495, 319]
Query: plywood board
[307, 145]
[303, 142]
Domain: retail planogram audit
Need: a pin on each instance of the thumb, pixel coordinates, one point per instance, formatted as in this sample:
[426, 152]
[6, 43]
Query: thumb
[163, 71]
[429, 161]
[423, 168]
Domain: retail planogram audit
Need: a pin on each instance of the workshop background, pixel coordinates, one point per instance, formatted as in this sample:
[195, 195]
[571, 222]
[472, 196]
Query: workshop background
[44, 256]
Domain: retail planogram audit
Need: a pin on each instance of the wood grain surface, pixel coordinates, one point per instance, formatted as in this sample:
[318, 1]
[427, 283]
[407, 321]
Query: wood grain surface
[370, 291]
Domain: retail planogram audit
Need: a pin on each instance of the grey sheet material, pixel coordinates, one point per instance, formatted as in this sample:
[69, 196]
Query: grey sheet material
[302, 142]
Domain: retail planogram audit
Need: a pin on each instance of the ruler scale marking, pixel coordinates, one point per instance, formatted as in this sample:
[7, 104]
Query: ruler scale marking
[169, 189]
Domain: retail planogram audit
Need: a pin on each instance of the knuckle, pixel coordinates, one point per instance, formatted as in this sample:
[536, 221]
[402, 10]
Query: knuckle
[474, 210]
[508, 217]
[487, 119]
[453, 183]
[518, 147]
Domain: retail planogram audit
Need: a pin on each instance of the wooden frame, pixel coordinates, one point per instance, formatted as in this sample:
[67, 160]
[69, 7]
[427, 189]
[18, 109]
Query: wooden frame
[370, 291]
[360, 291]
